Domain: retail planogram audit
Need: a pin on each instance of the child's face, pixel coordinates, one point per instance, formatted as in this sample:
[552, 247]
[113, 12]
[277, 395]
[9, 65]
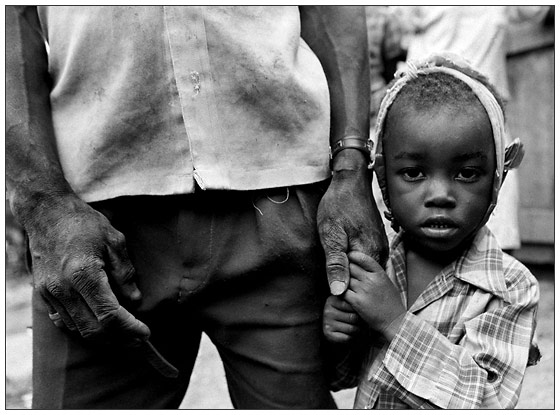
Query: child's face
[440, 166]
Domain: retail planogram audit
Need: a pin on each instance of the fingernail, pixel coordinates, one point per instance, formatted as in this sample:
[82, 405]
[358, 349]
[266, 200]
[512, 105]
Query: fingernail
[337, 287]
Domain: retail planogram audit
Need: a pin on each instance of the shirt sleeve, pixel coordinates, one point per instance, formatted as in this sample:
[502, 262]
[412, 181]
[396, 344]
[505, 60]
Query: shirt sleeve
[484, 371]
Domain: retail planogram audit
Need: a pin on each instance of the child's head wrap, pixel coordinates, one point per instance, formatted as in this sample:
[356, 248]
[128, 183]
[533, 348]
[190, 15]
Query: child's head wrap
[506, 158]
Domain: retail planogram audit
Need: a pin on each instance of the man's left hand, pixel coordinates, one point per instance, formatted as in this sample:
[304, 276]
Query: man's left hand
[348, 220]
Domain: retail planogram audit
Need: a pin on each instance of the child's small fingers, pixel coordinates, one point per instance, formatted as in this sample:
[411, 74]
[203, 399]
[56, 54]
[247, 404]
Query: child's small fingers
[340, 304]
[357, 272]
[341, 327]
[355, 287]
[364, 261]
[337, 337]
[332, 315]
[349, 318]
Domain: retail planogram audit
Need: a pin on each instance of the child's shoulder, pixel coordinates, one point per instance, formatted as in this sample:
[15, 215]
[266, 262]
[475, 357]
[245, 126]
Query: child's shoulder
[516, 275]
[487, 266]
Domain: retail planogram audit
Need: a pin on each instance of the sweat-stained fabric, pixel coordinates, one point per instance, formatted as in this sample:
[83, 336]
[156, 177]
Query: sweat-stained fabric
[151, 100]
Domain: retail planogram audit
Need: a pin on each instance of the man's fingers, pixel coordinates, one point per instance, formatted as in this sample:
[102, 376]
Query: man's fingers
[83, 300]
[66, 304]
[113, 318]
[120, 269]
[124, 324]
[56, 300]
[56, 314]
[95, 308]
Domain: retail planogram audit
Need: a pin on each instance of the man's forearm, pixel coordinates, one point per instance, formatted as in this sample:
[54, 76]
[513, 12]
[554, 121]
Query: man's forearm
[33, 172]
[338, 36]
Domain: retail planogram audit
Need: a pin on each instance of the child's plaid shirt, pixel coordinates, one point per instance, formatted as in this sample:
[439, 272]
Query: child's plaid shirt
[465, 341]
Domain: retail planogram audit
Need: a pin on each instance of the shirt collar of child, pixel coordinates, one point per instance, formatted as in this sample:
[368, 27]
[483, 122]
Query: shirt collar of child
[481, 265]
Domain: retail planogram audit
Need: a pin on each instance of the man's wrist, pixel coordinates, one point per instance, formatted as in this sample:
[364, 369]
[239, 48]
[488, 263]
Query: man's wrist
[33, 205]
[349, 159]
[351, 152]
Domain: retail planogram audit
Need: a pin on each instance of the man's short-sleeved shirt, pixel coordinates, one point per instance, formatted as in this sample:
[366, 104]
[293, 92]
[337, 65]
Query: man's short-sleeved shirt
[151, 100]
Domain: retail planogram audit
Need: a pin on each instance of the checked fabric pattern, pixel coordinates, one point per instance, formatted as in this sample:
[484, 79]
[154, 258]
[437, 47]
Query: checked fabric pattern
[465, 341]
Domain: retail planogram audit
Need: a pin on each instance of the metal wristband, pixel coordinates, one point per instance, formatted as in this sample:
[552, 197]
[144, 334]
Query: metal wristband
[356, 142]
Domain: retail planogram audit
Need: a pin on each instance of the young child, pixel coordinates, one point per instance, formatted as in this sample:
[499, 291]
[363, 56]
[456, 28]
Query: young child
[452, 318]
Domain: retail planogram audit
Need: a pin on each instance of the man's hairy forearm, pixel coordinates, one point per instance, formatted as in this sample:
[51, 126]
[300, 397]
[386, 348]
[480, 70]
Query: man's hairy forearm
[338, 36]
[33, 173]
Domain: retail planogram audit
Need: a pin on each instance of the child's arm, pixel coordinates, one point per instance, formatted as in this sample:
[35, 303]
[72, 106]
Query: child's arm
[484, 371]
[423, 368]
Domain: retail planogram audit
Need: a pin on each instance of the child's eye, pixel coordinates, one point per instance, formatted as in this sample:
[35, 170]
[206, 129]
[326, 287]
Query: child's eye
[468, 174]
[412, 174]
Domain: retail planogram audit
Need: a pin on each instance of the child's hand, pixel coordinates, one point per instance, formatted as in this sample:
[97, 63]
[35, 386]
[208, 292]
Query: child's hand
[340, 321]
[373, 295]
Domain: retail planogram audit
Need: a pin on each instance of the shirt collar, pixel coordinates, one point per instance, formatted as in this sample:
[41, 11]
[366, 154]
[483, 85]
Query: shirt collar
[481, 265]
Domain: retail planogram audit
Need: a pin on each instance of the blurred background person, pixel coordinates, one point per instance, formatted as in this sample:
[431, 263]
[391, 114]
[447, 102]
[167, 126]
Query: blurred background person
[386, 50]
[385, 43]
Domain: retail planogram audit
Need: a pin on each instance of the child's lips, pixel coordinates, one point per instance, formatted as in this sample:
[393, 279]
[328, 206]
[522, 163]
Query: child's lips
[439, 227]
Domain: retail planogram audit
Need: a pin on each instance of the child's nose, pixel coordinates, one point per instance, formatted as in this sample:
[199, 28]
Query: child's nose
[440, 194]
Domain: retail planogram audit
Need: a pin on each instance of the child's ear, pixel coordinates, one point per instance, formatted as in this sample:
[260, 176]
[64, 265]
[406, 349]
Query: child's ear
[513, 157]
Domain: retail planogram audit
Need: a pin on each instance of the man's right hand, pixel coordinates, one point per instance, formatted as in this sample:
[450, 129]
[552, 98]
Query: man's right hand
[78, 260]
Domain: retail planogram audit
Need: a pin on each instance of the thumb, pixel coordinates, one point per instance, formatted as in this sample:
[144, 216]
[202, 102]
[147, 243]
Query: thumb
[364, 261]
[335, 244]
[338, 274]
